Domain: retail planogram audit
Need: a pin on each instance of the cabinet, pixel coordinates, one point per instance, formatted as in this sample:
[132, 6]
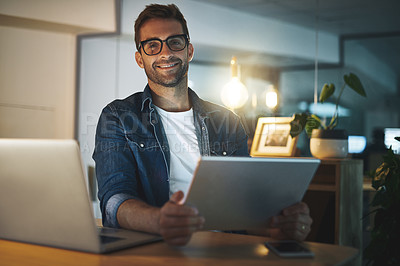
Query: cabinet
[335, 200]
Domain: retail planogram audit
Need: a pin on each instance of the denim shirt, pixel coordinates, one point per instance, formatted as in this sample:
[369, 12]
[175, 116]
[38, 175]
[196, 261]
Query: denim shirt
[132, 154]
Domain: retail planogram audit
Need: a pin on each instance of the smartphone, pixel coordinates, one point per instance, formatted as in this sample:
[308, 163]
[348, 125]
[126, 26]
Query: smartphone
[289, 248]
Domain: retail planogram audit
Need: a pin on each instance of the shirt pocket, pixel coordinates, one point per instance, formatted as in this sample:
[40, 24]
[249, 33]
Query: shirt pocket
[142, 143]
[223, 148]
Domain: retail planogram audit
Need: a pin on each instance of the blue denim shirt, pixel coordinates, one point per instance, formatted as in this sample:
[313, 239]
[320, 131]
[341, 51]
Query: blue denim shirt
[132, 154]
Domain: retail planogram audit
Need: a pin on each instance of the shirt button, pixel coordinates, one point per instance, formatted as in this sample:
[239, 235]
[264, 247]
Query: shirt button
[141, 145]
[203, 128]
[224, 153]
[153, 121]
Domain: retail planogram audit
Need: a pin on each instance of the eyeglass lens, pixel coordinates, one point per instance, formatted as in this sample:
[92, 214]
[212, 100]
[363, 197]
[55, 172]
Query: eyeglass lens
[174, 43]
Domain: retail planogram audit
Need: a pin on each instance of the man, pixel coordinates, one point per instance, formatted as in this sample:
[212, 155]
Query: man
[147, 145]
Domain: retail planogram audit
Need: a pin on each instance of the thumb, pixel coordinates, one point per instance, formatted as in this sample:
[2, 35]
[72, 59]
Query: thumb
[177, 197]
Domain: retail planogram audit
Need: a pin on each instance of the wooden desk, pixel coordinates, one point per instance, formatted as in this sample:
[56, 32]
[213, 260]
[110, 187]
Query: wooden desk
[205, 248]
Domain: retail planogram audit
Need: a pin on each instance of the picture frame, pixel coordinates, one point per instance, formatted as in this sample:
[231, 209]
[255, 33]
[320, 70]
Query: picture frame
[272, 138]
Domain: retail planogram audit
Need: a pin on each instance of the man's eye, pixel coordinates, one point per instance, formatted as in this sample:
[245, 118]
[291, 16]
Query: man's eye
[175, 42]
[152, 45]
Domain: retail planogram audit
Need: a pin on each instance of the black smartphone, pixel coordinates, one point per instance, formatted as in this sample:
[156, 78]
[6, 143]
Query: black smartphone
[289, 248]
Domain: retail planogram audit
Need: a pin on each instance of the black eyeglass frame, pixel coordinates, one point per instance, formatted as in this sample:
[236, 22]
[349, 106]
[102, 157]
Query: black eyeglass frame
[142, 43]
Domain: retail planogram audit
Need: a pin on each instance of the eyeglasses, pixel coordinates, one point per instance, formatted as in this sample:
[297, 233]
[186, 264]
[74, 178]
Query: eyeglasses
[174, 43]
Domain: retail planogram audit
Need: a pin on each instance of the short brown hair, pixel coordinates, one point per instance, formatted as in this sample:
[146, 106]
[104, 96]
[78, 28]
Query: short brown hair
[159, 11]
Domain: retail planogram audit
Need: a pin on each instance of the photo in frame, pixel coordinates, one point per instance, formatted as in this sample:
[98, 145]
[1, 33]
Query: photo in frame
[272, 138]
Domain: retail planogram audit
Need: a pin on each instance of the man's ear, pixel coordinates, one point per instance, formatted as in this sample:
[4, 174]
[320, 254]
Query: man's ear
[190, 52]
[139, 59]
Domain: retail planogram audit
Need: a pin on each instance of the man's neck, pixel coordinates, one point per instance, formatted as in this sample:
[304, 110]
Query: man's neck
[171, 99]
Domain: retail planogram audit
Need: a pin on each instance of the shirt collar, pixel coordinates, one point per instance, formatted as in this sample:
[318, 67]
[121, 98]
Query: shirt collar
[197, 103]
[146, 97]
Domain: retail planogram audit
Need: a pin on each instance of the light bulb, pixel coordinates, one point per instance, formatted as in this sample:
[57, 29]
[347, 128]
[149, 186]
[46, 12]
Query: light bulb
[234, 94]
[271, 98]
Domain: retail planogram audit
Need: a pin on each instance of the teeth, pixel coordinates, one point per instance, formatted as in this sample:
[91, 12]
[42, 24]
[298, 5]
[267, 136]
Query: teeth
[167, 66]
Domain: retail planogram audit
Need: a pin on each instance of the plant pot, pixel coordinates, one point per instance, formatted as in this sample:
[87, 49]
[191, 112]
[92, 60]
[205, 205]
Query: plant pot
[329, 144]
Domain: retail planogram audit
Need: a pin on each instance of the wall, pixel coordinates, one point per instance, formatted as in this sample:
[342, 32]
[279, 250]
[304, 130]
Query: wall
[87, 16]
[36, 83]
[38, 50]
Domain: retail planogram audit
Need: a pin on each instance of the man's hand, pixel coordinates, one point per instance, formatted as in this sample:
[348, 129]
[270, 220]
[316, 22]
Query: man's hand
[293, 223]
[178, 222]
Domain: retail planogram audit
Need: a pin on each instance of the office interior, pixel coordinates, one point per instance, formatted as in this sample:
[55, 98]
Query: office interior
[63, 61]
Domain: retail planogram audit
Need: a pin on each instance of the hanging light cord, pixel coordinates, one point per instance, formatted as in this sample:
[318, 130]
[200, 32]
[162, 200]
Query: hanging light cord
[316, 54]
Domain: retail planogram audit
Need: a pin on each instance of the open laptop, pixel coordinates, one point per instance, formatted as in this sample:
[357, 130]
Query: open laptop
[238, 193]
[44, 199]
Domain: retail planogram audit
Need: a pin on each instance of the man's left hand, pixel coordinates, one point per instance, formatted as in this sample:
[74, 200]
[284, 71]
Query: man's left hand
[293, 223]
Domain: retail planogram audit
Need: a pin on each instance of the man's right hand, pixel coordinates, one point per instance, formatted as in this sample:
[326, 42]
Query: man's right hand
[178, 222]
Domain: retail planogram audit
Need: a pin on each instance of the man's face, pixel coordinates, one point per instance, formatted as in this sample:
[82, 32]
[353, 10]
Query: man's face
[168, 68]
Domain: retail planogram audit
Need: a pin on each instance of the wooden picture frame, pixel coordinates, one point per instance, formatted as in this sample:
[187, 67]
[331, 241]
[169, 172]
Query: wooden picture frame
[272, 138]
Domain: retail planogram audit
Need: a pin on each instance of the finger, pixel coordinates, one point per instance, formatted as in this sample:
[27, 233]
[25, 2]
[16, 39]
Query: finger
[172, 209]
[294, 218]
[296, 233]
[289, 233]
[177, 197]
[297, 230]
[300, 207]
[300, 227]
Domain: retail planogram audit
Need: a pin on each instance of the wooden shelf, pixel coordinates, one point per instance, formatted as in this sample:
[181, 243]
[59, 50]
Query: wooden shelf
[319, 187]
[335, 200]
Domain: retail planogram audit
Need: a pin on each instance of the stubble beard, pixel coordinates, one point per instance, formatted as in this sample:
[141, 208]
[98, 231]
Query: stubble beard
[174, 81]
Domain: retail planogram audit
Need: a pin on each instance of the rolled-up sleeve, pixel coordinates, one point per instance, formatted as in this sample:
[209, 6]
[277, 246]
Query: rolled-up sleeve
[116, 167]
[112, 206]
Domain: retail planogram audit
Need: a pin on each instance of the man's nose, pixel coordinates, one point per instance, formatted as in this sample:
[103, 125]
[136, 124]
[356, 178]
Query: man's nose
[165, 49]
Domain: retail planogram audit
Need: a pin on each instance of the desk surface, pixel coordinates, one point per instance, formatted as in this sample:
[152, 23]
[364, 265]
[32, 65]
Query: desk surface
[205, 248]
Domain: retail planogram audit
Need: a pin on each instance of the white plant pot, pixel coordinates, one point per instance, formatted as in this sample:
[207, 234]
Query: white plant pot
[329, 144]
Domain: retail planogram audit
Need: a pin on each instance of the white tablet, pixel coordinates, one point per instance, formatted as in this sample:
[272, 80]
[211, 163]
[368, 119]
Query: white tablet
[239, 193]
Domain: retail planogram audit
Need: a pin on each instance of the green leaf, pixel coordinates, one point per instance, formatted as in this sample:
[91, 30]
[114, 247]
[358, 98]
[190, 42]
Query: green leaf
[298, 124]
[327, 91]
[354, 82]
[313, 122]
[317, 119]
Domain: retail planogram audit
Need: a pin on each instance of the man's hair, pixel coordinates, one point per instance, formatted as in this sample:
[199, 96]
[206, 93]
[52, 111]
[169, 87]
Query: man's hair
[159, 11]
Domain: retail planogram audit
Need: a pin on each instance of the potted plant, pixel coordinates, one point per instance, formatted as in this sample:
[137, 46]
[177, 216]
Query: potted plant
[326, 141]
[383, 247]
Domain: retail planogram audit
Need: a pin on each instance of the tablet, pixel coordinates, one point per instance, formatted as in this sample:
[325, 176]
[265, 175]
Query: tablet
[239, 193]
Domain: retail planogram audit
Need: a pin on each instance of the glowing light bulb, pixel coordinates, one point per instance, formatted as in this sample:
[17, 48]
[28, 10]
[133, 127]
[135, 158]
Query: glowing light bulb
[234, 94]
[271, 98]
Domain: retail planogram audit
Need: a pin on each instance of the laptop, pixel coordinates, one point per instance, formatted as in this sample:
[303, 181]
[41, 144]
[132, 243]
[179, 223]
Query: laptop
[239, 193]
[44, 199]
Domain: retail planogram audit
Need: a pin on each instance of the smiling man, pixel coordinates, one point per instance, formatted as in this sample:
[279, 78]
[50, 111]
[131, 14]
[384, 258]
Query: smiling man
[148, 144]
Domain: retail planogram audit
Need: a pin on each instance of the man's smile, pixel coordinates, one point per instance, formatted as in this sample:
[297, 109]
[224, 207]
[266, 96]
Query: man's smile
[167, 66]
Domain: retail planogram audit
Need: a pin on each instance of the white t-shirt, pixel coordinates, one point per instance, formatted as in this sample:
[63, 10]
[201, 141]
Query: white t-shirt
[184, 148]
